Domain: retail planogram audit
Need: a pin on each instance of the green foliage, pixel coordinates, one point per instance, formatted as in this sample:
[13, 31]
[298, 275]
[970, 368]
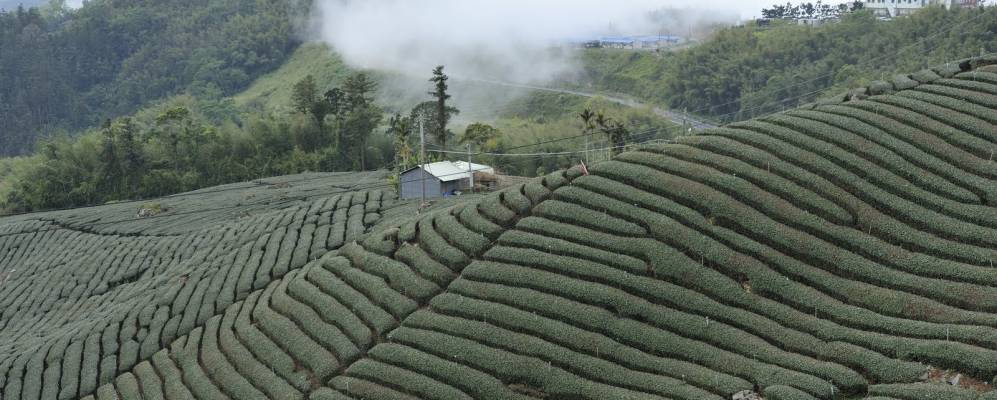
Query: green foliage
[67, 69]
[754, 70]
[919, 391]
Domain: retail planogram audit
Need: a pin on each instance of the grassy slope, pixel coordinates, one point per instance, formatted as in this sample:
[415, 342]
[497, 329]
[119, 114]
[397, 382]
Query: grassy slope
[272, 92]
[835, 252]
[525, 116]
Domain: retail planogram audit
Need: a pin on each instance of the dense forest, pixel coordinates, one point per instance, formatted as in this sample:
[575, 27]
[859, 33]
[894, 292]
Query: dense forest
[63, 69]
[756, 69]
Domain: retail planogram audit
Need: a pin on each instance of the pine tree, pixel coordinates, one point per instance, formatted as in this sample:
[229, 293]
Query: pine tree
[443, 112]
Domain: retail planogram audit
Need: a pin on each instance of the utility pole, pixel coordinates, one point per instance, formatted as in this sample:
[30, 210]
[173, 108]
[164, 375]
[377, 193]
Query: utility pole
[587, 149]
[422, 158]
[470, 170]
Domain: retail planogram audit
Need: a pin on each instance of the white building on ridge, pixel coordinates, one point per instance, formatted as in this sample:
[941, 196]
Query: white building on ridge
[900, 8]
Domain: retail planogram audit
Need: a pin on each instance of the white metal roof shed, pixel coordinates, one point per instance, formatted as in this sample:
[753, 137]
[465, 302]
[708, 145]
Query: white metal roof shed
[447, 171]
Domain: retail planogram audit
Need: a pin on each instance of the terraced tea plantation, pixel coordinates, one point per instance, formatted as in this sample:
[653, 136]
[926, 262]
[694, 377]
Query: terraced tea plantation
[844, 250]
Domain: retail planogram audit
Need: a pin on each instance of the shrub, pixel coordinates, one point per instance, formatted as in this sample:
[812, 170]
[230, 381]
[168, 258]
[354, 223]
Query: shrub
[265, 350]
[217, 367]
[379, 319]
[397, 275]
[922, 391]
[152, 386]
[290, 338]
[977, 105]
[415, 385]
[332, 311]
[983, 134]
[173, 387]
[194, 378]
[438, 247]
[574, 338]
[951, 160]
[443, 368]
[246, 364]
[779, 392]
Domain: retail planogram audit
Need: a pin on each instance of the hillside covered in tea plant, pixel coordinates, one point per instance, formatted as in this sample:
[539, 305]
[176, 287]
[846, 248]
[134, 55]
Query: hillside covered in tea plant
[842, 250]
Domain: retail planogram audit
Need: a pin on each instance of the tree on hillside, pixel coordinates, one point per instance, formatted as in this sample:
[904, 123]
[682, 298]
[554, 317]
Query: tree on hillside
[362, 116]
[335, 100]
[443, 112]
[479, 135]
[174, 127]
[401, 128]
[130, 153]
[617, 133]
[110, 166]
[588, 122]
[305, 99]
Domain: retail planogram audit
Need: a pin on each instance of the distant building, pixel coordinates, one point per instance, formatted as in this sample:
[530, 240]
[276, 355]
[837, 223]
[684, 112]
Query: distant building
[442, 179]
[900, 8]
[628, 42]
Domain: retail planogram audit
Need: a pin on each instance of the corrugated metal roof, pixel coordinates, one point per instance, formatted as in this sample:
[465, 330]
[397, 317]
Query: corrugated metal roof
[447, 171]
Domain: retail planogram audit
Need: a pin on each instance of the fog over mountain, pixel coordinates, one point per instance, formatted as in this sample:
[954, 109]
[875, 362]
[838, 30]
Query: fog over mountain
[497, 39]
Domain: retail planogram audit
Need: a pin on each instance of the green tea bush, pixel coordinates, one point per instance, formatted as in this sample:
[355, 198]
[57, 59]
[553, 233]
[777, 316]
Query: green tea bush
[788, 292]
[681, 323]
[351, 298]
[807, 223]
[194, 377]
[397, 275]
[873, 145]
[630, 331]
[437, 246]
[475, 221]
[948, 134]
[970, 81]
[265, 350]
[574, 338]
[90, 368]
[977, 105]
[922, 391]
[312, 324]
[555, 246]
[332, 311]
[173, 387]
[895, 232]
[246, 364]
[950, 69]
[445, 369]
[413, 384]
[925, 76]
[327, 394]
[290, 338]
[779, 392]
[493, 208]
[588, 366]
[217, 366]
[951, 159]
[877, 88]
[512, 367]
[784, 188]
[424, 265]
[359, 388]
[375, 289]
[469, 242]
[152, 386]
[106, 392]
[984, 132]
[594, 219]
